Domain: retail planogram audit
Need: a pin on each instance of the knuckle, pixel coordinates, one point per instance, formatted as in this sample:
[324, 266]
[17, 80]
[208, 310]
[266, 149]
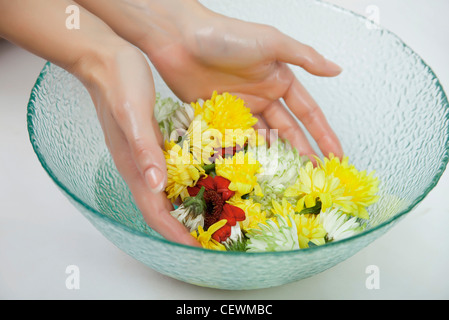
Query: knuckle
[272, 30]
[313, 57]
[120, 112]
[310, 51]
[140, 149]
[310, 116]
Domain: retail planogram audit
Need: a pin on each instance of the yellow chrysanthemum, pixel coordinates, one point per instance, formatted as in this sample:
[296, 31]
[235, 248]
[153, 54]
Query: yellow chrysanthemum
[241, 170]
[202, 139]
[205, 237]
[253, 213]
[240, 137]
[307, 225]
[284, 208]
[225, 112]
[359, 187]
[309, 230]
[182, 170]
[312, 185]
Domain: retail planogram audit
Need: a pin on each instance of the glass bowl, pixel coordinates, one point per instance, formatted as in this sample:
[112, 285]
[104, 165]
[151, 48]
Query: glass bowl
[387, 107]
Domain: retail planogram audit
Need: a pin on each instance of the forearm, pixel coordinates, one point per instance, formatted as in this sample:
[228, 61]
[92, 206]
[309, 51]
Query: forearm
[40, 27]
[146, 24]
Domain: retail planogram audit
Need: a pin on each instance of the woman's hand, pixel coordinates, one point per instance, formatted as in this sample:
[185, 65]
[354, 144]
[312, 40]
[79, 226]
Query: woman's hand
[121, 85]
[197, 51]
[120, 82]
[213, 52]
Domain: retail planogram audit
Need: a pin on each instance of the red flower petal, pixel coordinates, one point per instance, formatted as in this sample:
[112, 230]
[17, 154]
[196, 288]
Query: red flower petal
[207, 183]
[222, 185]
[232, 214]
[193, 191]
[222, 234]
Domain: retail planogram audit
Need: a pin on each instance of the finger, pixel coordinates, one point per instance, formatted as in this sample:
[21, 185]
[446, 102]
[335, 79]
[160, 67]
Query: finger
[270, 135]
[136, 122]
[262, 128]
[257, 105]
[291, 51]
[158, 133]
[261, 123]
[132, 109]
[155, 207]
[304, 107]
[278, 117]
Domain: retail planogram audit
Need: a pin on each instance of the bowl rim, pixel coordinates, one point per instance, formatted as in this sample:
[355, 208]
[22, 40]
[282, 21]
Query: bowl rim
[396, 217]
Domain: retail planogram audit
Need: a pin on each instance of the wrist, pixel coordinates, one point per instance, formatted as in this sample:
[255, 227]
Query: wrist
[147, 24]
[164, 22]
[96, 66]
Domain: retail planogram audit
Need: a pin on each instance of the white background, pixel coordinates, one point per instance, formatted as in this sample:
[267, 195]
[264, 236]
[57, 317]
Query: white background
[41, 233]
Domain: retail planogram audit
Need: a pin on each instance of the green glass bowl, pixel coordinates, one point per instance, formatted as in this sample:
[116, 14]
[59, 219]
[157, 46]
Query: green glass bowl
[387, 107]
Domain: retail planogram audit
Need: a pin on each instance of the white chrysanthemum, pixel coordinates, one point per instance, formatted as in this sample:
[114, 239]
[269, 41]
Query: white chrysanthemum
[188, 217]
[280, 163]
[164, 108]
[339, 225]
[272, 236]
[183, 117]
[172, 116]
[236, 234]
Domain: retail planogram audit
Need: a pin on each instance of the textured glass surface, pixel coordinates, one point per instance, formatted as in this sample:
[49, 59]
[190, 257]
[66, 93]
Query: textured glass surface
[387, 107]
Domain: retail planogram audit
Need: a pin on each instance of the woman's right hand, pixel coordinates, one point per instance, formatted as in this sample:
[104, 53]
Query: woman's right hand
[121, 85]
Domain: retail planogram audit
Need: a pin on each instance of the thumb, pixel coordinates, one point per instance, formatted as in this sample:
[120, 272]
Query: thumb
[148, 156]
[139, 129]
[135, 117]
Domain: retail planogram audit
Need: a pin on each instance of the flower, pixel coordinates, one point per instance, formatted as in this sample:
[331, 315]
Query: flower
[239, 137]
[183, 116]
[182, 170]
[225, 112]
[279, 235]
[314, 185]
[280, 167]
[191, 212]
[164, 108]
[241, 170]
[172, 116]
[307, 225]
[205, 237]
[240, 194]
[219, 184]
[215, 196]
[188, 217]
[284, 209]
[359, 187]
[232, 215]
[202, 139]
[309, 230]
[253, 213]
[338, 225]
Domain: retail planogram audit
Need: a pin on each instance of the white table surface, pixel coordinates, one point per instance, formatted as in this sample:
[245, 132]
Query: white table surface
[41, 233]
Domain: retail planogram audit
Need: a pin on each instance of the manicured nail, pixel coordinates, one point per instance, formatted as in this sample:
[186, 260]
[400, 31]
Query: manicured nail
[155, 179]
[333, 67]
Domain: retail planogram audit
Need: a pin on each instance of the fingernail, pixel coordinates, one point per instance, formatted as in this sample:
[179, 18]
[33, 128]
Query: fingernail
[155, 179]
[333, 67]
